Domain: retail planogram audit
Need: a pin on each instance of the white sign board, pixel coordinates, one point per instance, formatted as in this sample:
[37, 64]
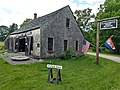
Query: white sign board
[54, 66]
[110, 24]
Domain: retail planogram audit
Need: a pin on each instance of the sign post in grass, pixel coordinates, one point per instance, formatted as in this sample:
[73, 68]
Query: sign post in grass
[107, 23]
[51, 79]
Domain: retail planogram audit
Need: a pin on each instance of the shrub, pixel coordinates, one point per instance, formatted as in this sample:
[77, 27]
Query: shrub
[67, 55]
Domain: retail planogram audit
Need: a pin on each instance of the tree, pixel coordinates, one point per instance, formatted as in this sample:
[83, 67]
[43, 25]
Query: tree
[82, 18]
[3, 32]
[13, 27]
[110, 8]
[25, 22]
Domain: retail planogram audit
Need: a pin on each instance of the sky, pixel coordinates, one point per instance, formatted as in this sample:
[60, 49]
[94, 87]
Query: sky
[16, 11]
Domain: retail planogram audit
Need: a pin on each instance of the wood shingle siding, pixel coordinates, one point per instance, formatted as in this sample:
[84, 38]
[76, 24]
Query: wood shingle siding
[59, 25]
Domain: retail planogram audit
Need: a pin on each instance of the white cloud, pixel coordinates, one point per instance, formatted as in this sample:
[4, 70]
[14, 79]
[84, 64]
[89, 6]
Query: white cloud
[90, 1]
[16, 11]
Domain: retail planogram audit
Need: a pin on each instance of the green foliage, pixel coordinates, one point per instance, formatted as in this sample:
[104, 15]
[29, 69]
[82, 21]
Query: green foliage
[13, 27]
[82, 17]
[77, 74]
[77, 56]
[93, 49]
[67, 55]
[4, 31]
[25, 22]
[90, 36]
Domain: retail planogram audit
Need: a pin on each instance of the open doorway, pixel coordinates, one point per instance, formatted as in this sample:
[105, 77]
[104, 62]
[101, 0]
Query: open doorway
[22, 45]
[31, 44]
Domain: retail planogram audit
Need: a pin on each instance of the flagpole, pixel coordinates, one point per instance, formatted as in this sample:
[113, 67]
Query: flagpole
[97, 43]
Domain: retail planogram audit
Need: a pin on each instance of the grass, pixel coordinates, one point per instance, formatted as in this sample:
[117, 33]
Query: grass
[77, 74]
[1, 47]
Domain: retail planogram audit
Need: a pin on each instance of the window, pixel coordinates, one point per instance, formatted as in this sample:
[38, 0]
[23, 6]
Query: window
[65, 45]
[67, 22]
[38, 45]
[76, 46]
[50, 44]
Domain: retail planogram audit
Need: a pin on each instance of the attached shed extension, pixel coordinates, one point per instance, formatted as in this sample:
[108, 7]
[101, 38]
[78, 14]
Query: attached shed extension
[48, 36]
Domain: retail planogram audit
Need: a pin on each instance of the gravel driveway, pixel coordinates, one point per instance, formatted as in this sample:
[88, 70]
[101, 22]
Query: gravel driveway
[113, 58]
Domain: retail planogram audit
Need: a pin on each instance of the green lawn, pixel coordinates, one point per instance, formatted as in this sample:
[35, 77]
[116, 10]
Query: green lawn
[77, 74]
[1, 47]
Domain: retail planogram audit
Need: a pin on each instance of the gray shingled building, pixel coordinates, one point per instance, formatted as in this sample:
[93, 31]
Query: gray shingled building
[47, 36]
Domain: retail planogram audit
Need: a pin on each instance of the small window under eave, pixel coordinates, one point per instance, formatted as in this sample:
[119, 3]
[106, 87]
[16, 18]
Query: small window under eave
[67, 22]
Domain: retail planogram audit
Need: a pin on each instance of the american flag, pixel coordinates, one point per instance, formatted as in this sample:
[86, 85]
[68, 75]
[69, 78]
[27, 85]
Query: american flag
[86, 45]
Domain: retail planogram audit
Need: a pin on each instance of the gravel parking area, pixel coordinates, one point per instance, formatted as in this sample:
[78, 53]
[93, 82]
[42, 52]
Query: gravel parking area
[7, 57]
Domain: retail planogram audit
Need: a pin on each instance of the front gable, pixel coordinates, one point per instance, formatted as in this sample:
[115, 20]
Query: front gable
[62, 27]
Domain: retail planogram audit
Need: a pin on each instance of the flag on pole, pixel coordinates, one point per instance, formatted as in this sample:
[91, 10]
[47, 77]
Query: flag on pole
[86, 45]
[109, 44]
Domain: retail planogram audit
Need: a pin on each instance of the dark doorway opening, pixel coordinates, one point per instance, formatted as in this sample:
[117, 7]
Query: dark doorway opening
[22, 45]
[31, 44]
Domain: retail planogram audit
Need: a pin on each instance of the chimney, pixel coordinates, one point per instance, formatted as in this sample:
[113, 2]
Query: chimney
[35, 15]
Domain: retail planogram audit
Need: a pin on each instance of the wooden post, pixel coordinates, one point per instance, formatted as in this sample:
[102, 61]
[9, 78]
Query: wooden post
[97, 43]
[98, 31]
[50, 74]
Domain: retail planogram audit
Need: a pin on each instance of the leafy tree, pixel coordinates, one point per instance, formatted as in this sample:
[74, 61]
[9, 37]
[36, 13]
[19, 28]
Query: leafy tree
[82, 18]
[25, 22]
[13, 27]
[3, 32]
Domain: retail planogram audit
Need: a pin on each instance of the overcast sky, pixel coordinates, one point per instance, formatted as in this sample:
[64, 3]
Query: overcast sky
[16, 11]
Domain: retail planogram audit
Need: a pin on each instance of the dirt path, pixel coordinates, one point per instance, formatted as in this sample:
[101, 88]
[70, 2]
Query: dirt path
[113, 58]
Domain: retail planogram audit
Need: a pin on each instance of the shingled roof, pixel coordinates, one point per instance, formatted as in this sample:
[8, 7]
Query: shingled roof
[38, 22]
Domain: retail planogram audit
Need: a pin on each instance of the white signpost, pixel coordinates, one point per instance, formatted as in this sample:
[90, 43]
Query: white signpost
[50, 74]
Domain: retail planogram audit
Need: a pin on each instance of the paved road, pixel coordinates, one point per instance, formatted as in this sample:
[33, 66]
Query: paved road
[113, 58]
